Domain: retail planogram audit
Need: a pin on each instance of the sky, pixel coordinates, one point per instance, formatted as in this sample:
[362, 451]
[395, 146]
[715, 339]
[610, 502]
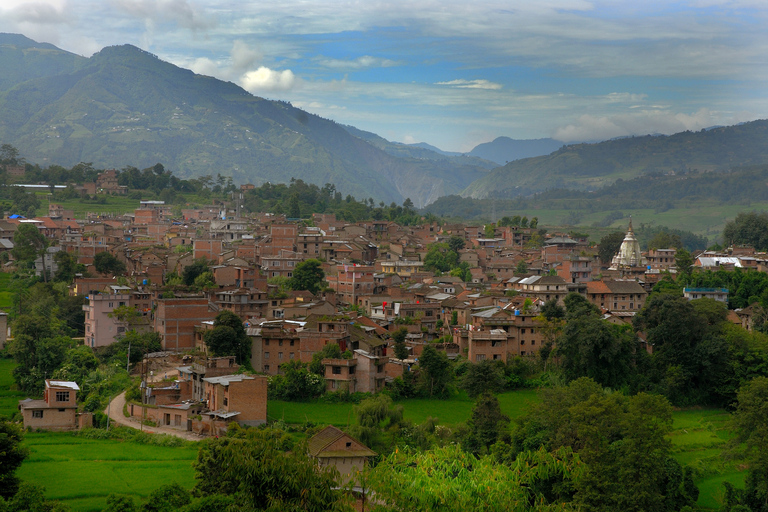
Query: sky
[451, 73]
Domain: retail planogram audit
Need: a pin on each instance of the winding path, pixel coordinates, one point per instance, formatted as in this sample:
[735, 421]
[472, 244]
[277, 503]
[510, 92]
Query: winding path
[115, 412]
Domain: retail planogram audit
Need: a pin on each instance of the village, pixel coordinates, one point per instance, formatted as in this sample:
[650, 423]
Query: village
[375, 283]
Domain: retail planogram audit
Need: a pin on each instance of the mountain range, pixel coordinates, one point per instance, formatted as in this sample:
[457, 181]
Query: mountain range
[126, 107]
[589, 167]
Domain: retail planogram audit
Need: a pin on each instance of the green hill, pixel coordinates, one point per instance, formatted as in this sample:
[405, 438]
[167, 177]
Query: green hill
[592, 166]
[126, 107]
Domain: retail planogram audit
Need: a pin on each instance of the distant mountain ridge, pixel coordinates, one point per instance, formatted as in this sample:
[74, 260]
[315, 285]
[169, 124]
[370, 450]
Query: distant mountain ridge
[125, 107]
[593, 166]
[504, 149]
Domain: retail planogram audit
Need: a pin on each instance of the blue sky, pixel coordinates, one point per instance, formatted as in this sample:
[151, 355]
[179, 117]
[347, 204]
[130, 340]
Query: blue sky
[453, 74]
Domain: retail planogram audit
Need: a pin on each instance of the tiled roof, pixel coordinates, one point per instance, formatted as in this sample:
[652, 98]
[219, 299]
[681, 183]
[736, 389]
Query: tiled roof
[319, 442]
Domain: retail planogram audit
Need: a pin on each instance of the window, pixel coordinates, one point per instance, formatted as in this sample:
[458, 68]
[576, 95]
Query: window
[336, 370]
[292, 342]
[266, 367]
[351, 370]
[522, 342]
[266, 343]
[480, 357]
[522, 331]
[37, 414]
[279, 356]
[226, 401]
[533, 342]
[266, 355]
[290, 356]
[62, 396]
[111, 304]
[280, 343]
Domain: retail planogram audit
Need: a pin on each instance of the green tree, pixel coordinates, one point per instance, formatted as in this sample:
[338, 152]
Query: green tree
[120, 503]
[29, 243]
[440, 258]
[106, 263]
[609, 245]
[264, 473]
[485, 425]
[228, 337]
[193, 271]
[398, 336]
[684, 262]
[167, 498]
[308, 275]
[750, 424]
[748, 228]
[484, 377]
[376, 420]
[435, 373]
[521, 268]
[12, 454]
[449, 479]
[590, 347]
[456, 243]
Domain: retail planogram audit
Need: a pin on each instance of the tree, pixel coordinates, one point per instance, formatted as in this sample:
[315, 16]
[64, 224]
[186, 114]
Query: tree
[401, 351]
[485, 425]
[435, 373]
[484, 377]
[106, 263]
[264, 472]
[308, 275]
[521, 268]
[29, 243]
[67, 267]
[376, 419]
[750, 424]
[440, 258]
[193, 271]
[622, 441]
[748, 228]
[684, 262]
[228, 337]
[12, 454]
[449, 479]
[609, 245]
[590, 347]
[456, 243]
[120, 503]
[167, 498]
[665, 240]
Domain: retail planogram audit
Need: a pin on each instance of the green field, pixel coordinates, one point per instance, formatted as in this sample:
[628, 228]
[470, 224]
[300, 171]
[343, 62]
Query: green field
[698, 439]
[448, 412]
[6, 295]
[81, 473]
[9, 399]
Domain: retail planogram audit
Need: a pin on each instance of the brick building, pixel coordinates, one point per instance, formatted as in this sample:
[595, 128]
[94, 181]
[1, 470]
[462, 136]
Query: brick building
[56, 411]
[175, 320]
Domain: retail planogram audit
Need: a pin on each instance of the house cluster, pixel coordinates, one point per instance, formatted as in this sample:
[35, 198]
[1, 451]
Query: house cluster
[376, 284]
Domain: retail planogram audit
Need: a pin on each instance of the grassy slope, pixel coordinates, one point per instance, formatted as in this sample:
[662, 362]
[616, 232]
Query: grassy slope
[82, 472]
[9, 399]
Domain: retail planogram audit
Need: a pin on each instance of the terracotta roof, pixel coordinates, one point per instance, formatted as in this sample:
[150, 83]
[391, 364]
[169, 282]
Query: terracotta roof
[319, 443]
[597, 287]
[625, 287]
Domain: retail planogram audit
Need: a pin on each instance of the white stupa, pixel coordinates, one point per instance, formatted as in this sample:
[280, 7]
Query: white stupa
[629, 253]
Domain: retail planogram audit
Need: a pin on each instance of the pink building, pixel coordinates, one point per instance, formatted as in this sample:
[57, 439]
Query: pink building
[100, 328]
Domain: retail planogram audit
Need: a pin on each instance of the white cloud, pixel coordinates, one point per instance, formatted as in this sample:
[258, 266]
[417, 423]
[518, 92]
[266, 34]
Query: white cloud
[205, 66]
[267, 80]
[409, 139]
[589, 127]
[472, 84]
[244, 57]
[366, 61]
